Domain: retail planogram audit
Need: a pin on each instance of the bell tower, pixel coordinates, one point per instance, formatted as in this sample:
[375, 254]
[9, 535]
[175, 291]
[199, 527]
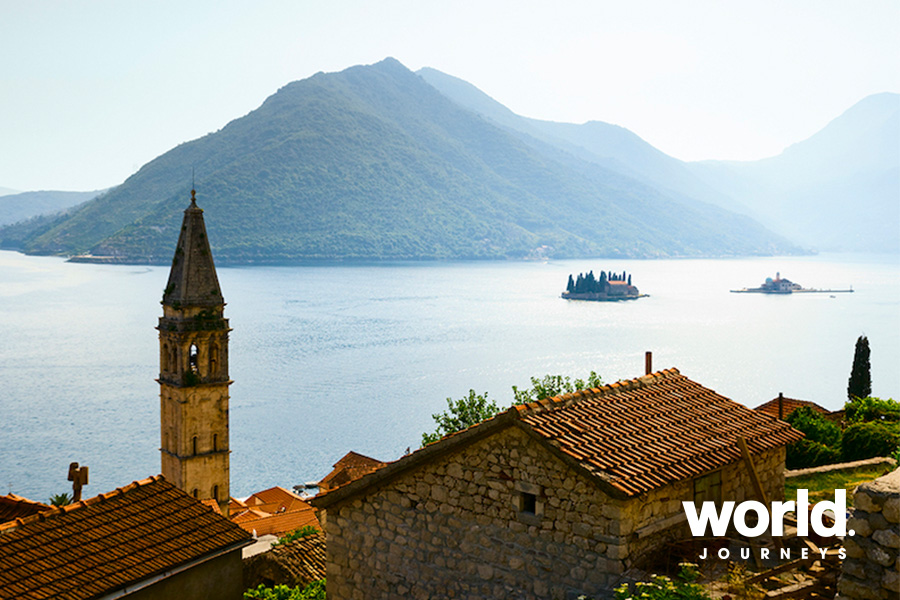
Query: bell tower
[193, 368]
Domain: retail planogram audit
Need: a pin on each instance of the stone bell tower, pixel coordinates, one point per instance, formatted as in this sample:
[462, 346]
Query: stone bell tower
[193, 368]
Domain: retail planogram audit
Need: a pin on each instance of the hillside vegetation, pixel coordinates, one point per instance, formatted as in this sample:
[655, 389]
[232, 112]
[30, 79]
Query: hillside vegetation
[375, 163]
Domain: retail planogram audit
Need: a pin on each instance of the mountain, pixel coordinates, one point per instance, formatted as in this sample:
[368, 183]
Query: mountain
[837, 190]
[25, 205]
[607, 145]
[375, 163]
[7, 191]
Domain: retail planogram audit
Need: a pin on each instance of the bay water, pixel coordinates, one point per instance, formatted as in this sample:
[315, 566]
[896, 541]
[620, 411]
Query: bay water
[331, 358]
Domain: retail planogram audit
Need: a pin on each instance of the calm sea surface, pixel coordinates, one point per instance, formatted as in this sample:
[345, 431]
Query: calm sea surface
[327, 359]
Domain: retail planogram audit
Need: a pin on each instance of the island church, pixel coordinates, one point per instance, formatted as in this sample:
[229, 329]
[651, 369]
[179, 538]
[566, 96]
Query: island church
[193, 369]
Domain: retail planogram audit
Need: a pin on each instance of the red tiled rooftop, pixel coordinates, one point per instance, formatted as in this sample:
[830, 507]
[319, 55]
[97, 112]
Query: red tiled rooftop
[645, 433]
[280, 523]
[352, 466]
[109, 542]
[14, 507]
[789, 405]
[631, 436]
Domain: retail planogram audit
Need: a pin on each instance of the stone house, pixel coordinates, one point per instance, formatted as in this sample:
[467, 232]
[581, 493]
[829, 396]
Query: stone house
[147, 540]
[547, 500]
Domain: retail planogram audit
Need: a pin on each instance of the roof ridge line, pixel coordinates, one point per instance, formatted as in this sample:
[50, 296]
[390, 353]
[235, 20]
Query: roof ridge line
[623, 385]
[59, 510]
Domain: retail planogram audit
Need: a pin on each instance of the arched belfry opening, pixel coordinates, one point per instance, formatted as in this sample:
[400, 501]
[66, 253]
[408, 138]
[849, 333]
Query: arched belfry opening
[193, 337]
[194, 359]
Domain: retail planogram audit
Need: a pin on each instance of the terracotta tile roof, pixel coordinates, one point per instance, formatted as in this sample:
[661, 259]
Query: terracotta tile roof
[645, 433]
[248, 514]
[111, 541]
[275, 500]
[789, 405]
[352, 466]
[14, 507]
[296, 563]
[280, 523]
[630, 436]
[213, 504]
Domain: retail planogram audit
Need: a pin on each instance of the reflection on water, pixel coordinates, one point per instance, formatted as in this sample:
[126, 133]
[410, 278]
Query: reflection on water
[329, 359]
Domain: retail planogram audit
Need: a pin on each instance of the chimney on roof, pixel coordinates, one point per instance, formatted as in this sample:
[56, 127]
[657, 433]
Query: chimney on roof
[780, 406]
[648, 362]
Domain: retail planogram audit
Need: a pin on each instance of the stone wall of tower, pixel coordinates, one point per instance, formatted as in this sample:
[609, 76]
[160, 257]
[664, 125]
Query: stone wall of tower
[193, 373]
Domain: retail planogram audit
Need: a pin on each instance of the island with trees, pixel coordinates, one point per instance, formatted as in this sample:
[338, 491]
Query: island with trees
[606, 288]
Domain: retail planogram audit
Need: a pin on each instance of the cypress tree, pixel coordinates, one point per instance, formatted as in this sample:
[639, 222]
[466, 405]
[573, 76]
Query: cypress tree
[860, 384]
[570, 287]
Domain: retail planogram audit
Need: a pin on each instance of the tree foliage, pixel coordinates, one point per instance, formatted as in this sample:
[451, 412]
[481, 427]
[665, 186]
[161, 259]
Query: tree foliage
[859, 410]
[460, 414]
[860, 383]
[296, 534]
[313, 591]
[869, 439]
[661, 587]
[475, 408]
[816, 427]
[549, 386]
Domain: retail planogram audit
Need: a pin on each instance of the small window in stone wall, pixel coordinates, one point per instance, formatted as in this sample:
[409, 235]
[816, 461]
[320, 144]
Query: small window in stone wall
[708, 488]
[528, 502]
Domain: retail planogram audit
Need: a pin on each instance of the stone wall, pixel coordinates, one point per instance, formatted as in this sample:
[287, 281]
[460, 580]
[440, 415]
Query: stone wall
[456, 528]
[462, 526]
[658, 516]
[871, 570]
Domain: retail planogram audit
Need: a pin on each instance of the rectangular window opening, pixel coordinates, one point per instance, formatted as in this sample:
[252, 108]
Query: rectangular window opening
[529, 503]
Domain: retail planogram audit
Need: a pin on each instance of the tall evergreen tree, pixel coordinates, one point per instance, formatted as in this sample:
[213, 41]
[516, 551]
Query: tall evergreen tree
[570, 287]
[860, 384]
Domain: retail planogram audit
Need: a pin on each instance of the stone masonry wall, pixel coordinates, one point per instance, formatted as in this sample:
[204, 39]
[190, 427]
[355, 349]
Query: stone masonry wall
[456, 528]
[871, 570]
[658, 516]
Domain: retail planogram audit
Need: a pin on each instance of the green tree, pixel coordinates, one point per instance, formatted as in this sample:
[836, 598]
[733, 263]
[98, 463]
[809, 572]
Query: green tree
[570, 287]
[822, 444]
[553, 385]
[460, 414]
[860, 383]
[870, 439]
[858, 410]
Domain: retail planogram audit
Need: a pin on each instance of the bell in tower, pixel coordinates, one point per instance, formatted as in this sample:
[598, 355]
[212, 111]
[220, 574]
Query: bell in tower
[193, 368]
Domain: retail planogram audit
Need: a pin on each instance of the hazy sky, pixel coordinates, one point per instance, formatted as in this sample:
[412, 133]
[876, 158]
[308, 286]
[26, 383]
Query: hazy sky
[92, 90]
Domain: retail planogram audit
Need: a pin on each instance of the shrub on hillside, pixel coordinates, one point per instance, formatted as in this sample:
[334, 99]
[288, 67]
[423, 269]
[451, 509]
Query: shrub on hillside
[872, 409]
[870, 439]
[807, 453]
[816, 427]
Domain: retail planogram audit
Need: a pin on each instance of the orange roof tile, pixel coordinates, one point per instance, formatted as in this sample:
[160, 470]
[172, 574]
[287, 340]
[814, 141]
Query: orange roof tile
[629, 436]
[352, 466]
[789, 405]
[111, 541]
[654, 430]
[248, 515]
[213, 504]
[14, 507]
[281, 523]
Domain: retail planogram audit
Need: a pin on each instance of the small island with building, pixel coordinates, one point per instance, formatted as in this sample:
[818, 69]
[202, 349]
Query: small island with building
[606, 288]
[784, 286]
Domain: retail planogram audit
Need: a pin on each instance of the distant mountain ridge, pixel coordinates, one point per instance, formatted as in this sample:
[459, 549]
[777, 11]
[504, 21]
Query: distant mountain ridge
[18, 206]
[374, 163]
[837, 190]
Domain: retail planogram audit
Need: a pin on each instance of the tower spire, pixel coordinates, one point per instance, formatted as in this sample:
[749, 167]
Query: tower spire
[193, 370]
